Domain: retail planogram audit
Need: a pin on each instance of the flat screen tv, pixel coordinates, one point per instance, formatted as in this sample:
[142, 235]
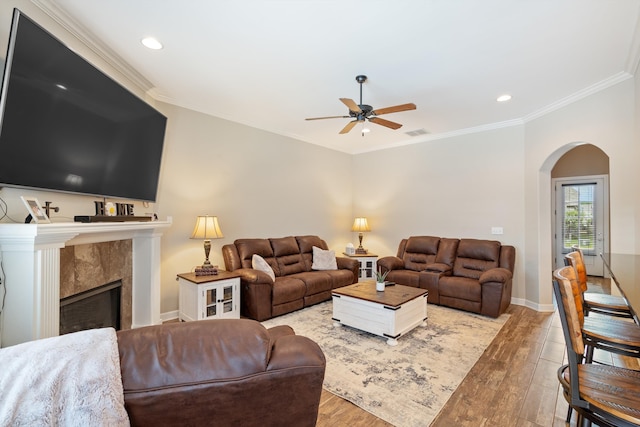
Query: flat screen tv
[66, 126]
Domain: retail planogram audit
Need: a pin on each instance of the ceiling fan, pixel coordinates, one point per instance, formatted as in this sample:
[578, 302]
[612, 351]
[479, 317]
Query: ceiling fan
[361, 112]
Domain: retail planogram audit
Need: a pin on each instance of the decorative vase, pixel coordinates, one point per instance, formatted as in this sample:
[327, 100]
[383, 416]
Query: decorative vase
[380, 286]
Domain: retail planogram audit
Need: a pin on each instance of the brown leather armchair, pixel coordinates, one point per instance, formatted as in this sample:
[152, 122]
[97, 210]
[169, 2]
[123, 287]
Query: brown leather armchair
[228, 372]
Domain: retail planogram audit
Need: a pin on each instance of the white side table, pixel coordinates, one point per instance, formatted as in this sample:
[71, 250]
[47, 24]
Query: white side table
[209, 297]
[368, 265]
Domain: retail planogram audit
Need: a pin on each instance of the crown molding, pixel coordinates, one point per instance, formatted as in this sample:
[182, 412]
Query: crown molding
[86, 37]
[600, 86]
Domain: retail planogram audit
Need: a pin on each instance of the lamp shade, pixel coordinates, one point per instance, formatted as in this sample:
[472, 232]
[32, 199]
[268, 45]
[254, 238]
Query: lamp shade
[360, 224]
[207, 227]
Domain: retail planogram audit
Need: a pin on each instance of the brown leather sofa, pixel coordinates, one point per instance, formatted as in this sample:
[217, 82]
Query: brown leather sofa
[231, 372]
[295, 286]
[468, 274]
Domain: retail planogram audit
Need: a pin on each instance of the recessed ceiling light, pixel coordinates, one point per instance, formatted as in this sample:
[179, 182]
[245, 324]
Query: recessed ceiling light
[61, 86]
[151, 43]
[503, 98]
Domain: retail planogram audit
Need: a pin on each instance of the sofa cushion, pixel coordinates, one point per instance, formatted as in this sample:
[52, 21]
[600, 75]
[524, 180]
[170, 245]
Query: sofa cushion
[476, 256]
[460, 287]
[340, 277]
[288, 257]
[405, 277]
[315, 281]
[447, 251]
[258, 263]
[248, 247]
[419, 252]
[287, 289]
[324, 260]
[306, 244]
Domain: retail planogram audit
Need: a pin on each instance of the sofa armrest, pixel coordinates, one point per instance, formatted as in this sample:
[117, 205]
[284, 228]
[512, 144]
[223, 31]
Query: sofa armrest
[351, 264]
[250, 275]
[389, 263]
[500, 275]
[496, 286]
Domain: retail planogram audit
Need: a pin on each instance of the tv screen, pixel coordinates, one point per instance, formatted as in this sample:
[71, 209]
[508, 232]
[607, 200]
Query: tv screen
[66, 126]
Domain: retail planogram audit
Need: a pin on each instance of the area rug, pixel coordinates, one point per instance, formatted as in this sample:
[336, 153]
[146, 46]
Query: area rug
[405, 385]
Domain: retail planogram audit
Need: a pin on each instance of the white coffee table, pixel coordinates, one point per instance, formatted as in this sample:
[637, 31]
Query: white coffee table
[389, 314]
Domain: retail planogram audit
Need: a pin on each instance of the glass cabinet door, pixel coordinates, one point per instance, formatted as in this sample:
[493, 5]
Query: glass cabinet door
[211, 302]
[227, 299]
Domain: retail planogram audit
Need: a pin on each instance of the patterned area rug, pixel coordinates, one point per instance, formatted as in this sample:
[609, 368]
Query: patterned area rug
[405, 385]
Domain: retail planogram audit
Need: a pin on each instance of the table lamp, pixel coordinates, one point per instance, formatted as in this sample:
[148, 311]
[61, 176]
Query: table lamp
[360, 225]
[207, 228]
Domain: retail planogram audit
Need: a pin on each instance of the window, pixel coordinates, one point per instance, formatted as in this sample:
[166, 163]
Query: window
[579, 223]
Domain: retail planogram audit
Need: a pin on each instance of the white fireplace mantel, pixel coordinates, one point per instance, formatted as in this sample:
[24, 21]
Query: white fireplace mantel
[30, 256]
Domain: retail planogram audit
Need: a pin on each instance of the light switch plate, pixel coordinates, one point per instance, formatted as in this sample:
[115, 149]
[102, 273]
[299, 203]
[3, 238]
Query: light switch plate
[497, 230]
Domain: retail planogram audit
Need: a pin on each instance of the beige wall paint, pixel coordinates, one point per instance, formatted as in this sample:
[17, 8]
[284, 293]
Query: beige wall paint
[455, 187]
[606, 120]
[258, 184]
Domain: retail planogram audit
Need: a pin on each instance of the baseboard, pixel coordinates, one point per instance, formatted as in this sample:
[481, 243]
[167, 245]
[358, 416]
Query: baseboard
[542, 308]
[169, 315]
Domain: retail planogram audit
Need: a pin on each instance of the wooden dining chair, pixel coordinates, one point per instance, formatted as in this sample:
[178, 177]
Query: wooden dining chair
[605, 395]
[609, 305]
[606, 333]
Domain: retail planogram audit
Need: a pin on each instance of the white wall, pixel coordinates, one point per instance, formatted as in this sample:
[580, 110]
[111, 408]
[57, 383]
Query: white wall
[456, 187]
[258, 185]
[606, 120]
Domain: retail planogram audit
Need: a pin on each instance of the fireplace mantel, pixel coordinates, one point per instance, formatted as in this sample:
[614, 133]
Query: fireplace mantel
[31, 261]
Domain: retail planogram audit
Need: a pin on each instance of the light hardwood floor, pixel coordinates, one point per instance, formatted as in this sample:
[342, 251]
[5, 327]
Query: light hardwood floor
[513, 383]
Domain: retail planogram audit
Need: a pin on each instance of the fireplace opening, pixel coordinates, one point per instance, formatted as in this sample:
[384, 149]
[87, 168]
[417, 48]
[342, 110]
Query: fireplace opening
[95, 308]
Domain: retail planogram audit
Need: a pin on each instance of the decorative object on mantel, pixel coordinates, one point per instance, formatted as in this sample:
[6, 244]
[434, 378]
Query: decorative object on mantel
[207, 228]
[35, 210]
[360, 225]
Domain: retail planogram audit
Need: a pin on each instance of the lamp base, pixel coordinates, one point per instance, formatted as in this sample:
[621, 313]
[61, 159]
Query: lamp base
[361, 251]
[206, 270]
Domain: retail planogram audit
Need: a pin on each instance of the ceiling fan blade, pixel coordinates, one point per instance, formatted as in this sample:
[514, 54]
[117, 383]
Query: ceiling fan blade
[351, 104]
[394, 109]
[349, 126]
[386, 123]
[328, 117]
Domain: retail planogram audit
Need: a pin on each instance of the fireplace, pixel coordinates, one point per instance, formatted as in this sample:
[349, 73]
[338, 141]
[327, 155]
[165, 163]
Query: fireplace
[33, 257]
[92, 309]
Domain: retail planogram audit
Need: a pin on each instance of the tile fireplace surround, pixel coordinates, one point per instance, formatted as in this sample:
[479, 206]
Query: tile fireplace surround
[31, 260]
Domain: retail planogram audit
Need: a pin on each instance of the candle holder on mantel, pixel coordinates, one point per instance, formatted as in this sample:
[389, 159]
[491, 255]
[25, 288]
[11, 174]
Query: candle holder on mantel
[360, 225]
[207, 228]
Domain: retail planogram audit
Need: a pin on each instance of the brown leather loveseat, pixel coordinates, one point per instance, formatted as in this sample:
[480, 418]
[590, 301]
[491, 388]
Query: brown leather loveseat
[231, 372]
[468, 274]
[296, 284]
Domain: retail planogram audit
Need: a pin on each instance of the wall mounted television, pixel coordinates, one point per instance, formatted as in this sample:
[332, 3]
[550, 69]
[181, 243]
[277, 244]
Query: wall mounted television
[67, 126]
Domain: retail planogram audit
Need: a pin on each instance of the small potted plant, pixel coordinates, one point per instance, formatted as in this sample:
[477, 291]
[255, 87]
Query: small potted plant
[380, 277]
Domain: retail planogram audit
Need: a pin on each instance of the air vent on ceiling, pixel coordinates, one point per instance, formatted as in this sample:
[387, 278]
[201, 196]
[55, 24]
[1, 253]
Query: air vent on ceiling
[417, 132]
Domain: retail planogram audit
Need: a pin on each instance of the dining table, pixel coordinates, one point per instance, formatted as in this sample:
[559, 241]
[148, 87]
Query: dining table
[624, 270]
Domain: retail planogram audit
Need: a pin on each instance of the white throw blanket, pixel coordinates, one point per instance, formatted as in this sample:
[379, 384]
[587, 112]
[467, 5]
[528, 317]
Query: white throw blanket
[70, 380]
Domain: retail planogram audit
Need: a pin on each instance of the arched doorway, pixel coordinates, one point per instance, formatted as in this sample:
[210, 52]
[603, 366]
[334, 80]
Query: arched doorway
[580, 205]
